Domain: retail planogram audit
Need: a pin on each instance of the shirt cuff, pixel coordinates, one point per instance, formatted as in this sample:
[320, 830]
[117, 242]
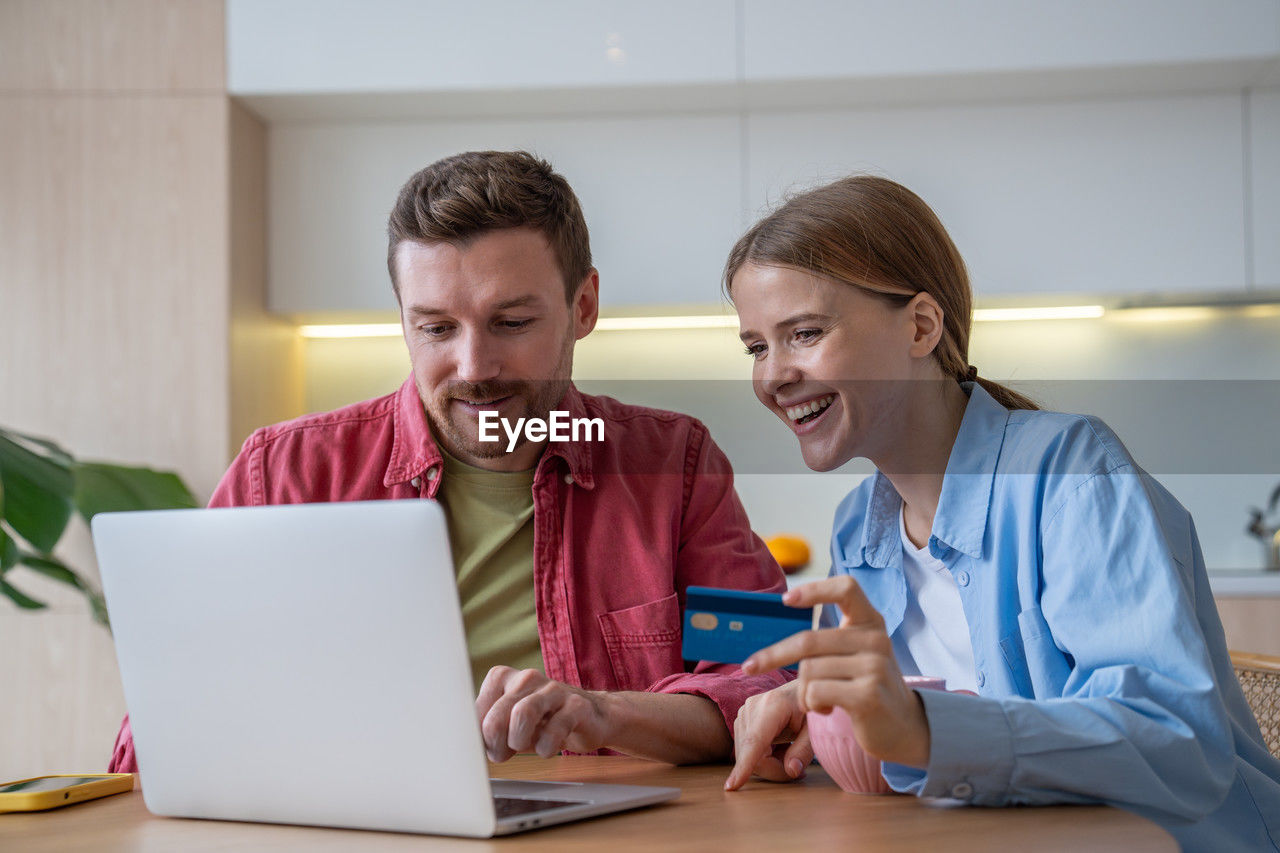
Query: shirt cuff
[970, 751]
[728, 689]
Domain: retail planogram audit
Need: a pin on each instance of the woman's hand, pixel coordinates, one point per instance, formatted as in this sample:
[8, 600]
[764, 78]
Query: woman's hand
[770, 739]
[851, 666]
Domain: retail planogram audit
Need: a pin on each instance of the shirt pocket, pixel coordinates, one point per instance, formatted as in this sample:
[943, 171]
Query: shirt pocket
[1038, 666]
[643, 642]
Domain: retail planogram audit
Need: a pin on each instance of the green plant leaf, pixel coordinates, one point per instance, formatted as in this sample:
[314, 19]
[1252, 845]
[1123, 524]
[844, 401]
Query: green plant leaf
[51, 568]
[102, 487]
[52, 450]
[98, 605]
[18, 597]
[37, 493]
[60, 571]
[9, 552]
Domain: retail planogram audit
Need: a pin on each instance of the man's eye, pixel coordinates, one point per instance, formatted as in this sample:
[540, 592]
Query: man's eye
[514, 324]
[434, 330]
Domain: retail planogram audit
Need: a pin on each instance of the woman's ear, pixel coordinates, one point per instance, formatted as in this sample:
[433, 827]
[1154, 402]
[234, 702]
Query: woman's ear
[927, 321]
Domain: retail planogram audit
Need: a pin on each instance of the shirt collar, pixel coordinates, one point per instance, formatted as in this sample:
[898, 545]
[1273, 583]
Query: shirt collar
[414, 449]
[880, 542]
[961, 519]
[576, 454]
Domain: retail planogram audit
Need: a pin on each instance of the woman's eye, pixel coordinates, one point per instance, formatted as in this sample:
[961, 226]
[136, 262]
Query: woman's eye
[755, 350]
[807, 334]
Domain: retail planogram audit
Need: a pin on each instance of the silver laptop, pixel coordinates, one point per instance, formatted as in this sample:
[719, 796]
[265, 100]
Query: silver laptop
[307, 664]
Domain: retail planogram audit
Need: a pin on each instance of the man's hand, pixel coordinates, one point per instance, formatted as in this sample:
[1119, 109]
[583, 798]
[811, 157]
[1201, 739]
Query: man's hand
[767, 719]
[523, 710]
[851, 666]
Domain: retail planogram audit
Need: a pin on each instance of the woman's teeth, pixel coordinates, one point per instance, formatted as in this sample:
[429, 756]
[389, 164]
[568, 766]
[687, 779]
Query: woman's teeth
[808, 411]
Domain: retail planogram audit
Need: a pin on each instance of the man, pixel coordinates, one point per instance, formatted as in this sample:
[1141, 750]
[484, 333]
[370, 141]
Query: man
[572, 557]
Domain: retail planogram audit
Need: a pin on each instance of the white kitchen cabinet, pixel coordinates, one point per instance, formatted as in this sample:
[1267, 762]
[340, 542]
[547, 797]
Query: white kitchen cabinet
[1264, 143]
[1105, 195]
[303, 47]
[662, 198]
[886, 39]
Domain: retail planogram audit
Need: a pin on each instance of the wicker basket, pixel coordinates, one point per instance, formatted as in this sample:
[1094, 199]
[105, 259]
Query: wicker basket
[1260, 678]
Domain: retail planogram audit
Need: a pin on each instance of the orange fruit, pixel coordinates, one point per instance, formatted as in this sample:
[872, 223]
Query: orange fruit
[791, 552]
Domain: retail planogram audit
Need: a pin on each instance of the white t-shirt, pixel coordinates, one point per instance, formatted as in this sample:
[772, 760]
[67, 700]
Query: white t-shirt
[934, 629]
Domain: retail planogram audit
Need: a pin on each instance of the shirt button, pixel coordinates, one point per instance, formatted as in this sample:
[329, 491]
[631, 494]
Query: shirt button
[982, 678]
[962, 578]
[432, 473]
[962, 791]
[568, 478]
[417, 482]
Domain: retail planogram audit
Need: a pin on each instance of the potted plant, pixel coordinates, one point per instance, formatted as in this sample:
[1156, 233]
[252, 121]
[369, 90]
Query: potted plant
[41, 485]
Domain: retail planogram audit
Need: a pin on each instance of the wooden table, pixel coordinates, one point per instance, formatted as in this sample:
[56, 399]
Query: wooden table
[810, 815]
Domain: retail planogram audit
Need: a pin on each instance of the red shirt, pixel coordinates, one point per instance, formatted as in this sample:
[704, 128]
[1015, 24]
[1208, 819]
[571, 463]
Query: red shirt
[621, 528]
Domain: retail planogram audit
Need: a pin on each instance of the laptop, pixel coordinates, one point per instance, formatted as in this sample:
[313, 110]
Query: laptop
[307, 664]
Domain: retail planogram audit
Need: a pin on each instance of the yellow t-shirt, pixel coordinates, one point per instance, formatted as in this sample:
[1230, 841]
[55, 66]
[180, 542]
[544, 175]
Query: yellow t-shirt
[490, 516]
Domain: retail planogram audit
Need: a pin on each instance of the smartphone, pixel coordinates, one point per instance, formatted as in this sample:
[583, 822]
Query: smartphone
[50, 792]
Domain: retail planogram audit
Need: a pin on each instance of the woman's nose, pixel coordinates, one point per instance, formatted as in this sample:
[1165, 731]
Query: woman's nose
[777, 372]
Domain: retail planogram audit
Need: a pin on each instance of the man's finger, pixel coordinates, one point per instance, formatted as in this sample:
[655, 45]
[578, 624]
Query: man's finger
[799, 755]
[554, 732]
[495, 726]
[747, 755]
[528, 716]
[771, 768]
[492, 688]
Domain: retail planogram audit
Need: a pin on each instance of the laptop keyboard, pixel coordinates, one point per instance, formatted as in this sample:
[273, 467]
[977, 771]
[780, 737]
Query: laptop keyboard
[512, 806]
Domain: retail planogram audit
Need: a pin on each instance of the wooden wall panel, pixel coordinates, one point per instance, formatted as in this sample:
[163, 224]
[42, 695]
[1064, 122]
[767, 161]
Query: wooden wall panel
[266, 352]
[1251, 624]
[113, 230]
[115, 277]
[114, 304]
[112, 45]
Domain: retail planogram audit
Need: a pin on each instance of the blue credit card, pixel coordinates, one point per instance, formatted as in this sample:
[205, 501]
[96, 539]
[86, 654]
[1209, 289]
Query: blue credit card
[729, 625]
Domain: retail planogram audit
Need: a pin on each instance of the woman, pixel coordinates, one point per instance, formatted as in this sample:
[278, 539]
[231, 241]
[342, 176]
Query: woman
[1020, 554]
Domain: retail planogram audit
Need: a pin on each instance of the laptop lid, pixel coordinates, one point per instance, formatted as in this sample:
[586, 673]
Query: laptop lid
[299, 664]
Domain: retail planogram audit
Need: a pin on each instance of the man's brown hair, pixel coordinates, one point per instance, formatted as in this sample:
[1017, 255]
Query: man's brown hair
[458, 198]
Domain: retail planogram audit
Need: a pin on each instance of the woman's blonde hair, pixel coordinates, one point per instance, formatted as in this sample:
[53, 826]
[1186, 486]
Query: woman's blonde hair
[879, 236]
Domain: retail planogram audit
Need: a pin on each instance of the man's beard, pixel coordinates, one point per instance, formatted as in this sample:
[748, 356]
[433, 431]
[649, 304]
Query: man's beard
[460, 433]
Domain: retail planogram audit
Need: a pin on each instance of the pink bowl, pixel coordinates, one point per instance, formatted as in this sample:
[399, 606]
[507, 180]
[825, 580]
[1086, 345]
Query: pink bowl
[838, 751]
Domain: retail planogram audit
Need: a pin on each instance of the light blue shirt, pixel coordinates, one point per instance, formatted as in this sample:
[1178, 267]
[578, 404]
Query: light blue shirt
[1100, 660]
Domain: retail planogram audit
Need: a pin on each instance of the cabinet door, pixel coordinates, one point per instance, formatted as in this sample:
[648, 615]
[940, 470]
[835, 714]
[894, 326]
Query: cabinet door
[1264, 147]
[1119, 195]
[884, 40]
[323, 46]
[662, 198]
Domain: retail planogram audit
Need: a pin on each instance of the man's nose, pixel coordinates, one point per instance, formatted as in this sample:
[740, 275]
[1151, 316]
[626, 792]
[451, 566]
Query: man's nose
[478, 359]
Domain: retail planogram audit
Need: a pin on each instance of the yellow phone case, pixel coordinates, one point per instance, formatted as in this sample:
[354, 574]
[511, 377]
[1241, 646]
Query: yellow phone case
[103, 784]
